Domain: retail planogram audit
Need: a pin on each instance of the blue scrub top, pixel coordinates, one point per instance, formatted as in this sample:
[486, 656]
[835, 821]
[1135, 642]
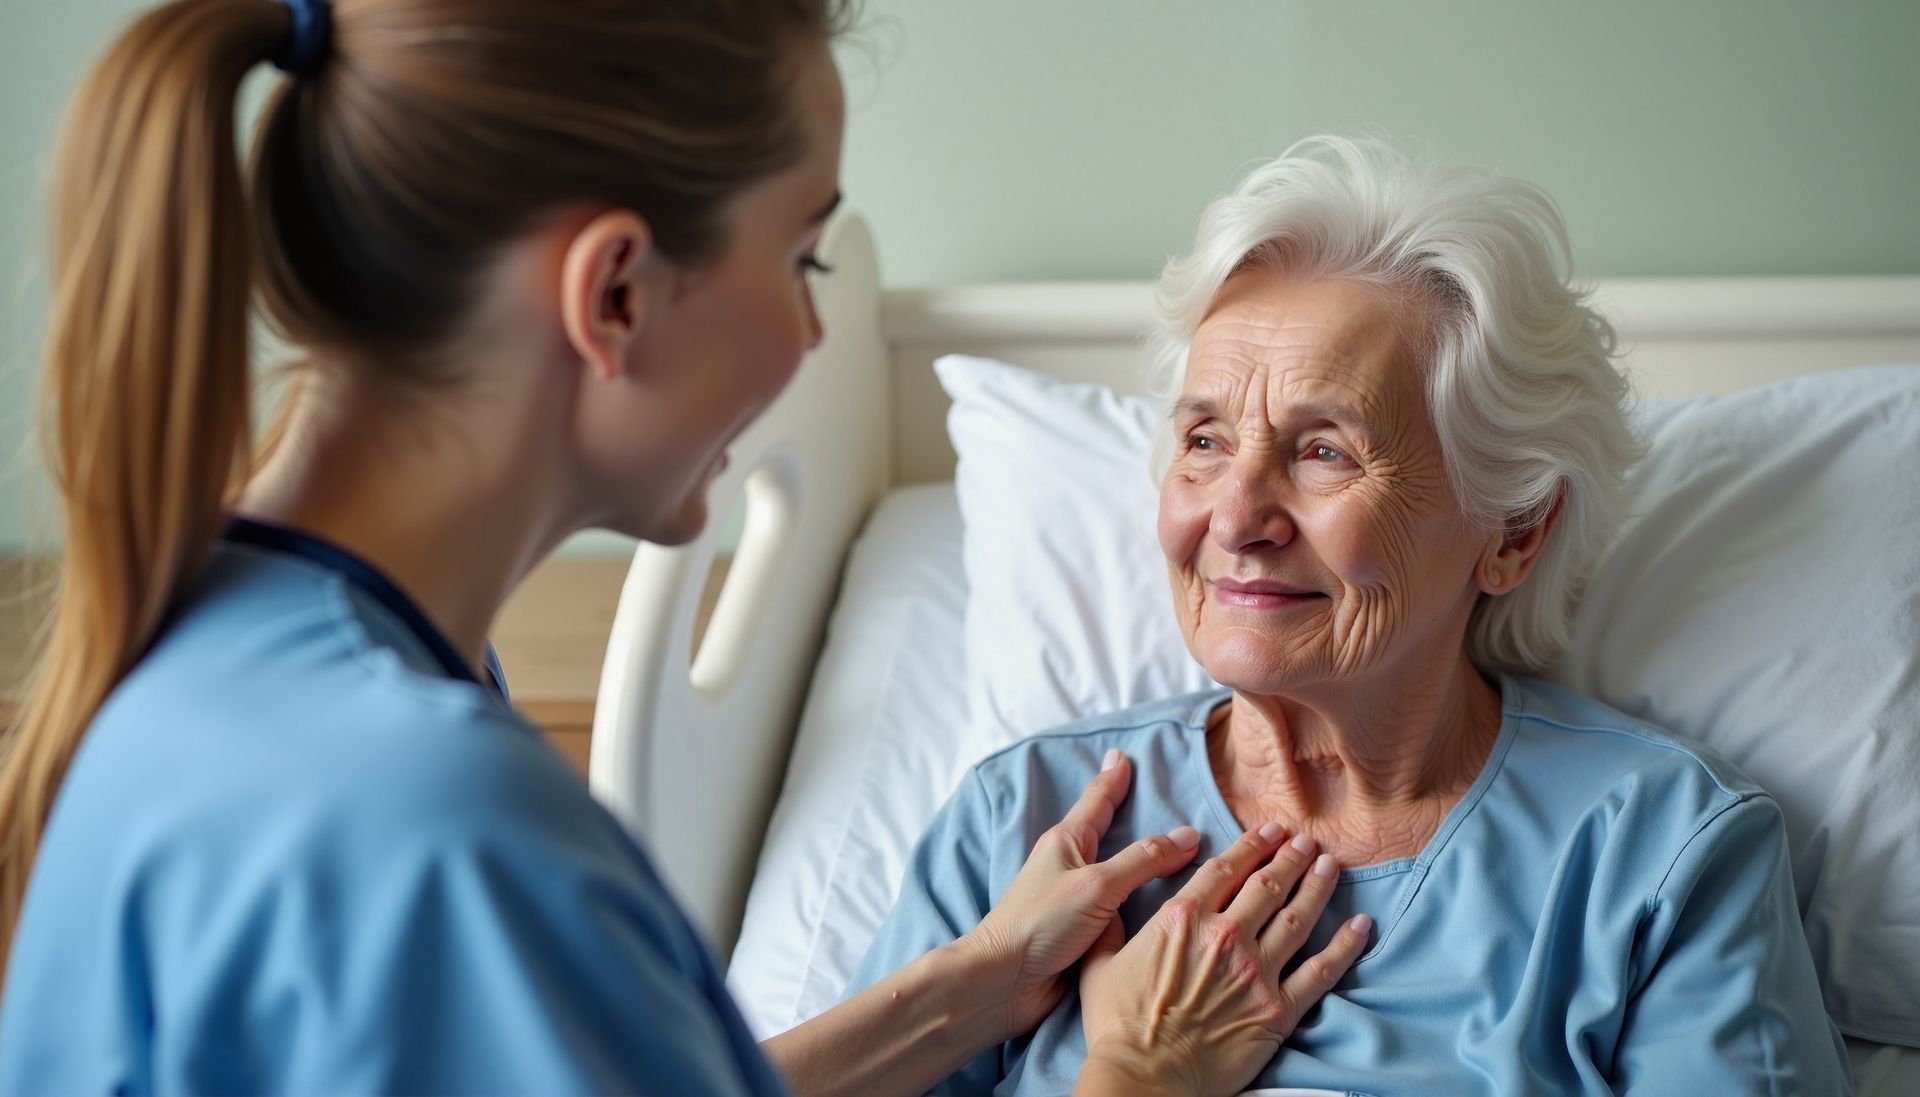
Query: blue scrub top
[303, 850]
[1608, 909]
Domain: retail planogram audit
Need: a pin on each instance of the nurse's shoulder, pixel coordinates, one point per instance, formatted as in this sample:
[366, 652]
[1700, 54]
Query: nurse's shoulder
[281, 691]
[325, 841]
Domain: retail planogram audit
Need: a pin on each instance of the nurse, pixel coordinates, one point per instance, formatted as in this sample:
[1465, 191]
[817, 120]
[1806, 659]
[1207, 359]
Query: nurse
[268, 822]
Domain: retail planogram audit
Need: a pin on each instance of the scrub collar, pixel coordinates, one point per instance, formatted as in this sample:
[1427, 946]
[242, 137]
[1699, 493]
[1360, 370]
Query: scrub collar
[291, 542]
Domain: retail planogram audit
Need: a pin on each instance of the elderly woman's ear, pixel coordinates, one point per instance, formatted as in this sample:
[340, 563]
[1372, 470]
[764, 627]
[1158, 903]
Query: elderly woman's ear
[1506, 563]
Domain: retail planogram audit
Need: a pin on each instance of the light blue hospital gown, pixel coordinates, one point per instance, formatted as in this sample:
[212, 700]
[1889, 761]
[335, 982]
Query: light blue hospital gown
[297, 854]
[1607, 909]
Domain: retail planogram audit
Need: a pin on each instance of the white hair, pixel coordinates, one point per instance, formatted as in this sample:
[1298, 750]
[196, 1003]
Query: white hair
[1520, 384]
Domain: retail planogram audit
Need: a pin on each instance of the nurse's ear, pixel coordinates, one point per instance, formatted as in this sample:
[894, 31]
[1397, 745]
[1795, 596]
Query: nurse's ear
[606, 291]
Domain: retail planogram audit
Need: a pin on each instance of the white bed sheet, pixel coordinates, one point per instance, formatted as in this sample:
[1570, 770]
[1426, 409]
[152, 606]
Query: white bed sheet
[877, 752]
[873, 759]
[1883, 1070]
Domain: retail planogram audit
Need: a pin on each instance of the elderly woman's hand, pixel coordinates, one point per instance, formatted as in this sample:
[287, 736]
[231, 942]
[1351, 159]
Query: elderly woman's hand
[1063, 899]
[1195, 1004]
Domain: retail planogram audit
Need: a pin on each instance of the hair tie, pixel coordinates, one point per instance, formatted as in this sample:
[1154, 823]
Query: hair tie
[307, 42]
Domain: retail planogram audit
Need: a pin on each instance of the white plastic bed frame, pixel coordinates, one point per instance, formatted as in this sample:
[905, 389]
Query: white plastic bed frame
[689, 750]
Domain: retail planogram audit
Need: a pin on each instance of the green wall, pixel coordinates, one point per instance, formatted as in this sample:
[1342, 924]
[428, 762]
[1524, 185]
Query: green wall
[1040, 139]
[1069, 139]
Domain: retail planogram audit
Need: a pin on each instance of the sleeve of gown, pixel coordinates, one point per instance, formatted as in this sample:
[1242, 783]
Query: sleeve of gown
[1727, 1000]
[531, 953]
[944, 894]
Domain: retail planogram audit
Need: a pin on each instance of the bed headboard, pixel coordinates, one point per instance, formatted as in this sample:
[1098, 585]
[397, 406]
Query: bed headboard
[689, 749]
[1680, 337]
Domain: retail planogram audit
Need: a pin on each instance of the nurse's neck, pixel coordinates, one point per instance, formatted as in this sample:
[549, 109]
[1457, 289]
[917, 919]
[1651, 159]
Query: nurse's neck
[452, 492]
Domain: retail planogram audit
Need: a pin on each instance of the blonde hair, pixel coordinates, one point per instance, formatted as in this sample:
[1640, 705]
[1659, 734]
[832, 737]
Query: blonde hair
[378, 188]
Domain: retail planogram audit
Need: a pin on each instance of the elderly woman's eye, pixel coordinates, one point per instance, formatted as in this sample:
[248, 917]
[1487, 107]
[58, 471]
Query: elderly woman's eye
[1201, 442]
[1327, 455]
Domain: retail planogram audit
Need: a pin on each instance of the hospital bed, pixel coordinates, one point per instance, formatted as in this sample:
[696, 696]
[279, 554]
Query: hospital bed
[780, 773]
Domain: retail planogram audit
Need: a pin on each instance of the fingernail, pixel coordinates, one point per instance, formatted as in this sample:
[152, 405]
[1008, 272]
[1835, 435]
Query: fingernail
[1269, 832]
[1184, 837]
[1111, 760]
[1360, 924]
[1323, 866]
[1302, 843]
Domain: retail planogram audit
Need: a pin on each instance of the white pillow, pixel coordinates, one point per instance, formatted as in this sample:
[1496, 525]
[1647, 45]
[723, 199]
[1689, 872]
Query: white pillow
[1766, 601]
[1068, 609]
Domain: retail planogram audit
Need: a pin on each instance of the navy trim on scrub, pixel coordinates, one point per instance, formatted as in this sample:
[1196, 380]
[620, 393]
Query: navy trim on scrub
[247, 531]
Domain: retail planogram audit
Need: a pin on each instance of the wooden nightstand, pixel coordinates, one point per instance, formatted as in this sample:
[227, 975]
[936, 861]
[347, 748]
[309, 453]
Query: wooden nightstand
[552, 637]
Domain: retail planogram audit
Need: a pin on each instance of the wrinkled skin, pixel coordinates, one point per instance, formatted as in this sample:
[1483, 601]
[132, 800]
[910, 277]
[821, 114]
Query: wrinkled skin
[1324, 568]
[1303, 453]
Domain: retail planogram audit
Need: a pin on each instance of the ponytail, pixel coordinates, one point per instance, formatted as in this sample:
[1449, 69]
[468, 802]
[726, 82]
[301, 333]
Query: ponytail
[144, 413]
[367, 247]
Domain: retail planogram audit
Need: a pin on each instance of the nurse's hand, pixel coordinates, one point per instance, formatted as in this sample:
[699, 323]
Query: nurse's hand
[1195, 1003]
[1063, 899]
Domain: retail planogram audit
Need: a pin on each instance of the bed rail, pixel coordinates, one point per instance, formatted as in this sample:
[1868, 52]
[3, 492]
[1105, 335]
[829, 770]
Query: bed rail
[689, 747]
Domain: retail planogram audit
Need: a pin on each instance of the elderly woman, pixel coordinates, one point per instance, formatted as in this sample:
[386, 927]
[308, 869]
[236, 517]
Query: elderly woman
[1397, 449]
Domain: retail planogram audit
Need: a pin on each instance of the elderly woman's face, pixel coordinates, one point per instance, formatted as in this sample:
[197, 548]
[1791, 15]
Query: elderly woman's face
[1308, 525]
